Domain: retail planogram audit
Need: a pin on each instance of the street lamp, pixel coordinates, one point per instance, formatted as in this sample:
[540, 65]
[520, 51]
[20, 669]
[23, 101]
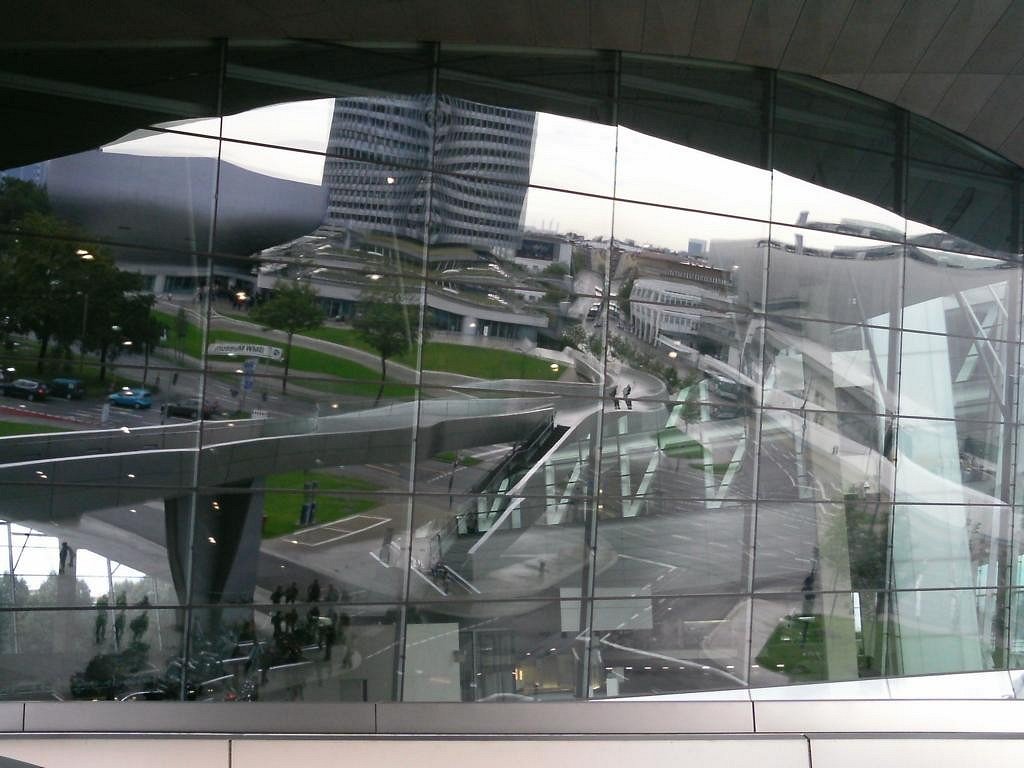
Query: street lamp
[81, 343]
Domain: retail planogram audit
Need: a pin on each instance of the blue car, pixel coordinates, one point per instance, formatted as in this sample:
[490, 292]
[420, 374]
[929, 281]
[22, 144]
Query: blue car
[132, 398]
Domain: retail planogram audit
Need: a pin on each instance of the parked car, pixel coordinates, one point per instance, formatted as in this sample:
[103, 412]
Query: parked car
[132, 398]
[189, 409]
[72, 389]
[30, 389]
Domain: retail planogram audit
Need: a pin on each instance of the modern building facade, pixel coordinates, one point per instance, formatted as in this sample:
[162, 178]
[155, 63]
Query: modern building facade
[468, 163]
[808, 490]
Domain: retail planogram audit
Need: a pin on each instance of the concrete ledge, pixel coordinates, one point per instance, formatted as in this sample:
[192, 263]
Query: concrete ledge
[567, 718]
[12, 717]
[833, 719]
[187, 717]
[858, 717]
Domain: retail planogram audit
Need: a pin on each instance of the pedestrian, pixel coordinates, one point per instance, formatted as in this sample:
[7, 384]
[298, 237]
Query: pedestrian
[101, 618]
[625, 396]
[328, 637]
[313, 592]
[277, 594]
[313, 623]
[119, 622]
[291, 593]
[138, 626]
[613, 393]
[276, 619]
[67, 557]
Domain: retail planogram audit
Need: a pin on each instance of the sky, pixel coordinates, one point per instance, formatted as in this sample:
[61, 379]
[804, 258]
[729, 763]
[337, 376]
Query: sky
[569, 154]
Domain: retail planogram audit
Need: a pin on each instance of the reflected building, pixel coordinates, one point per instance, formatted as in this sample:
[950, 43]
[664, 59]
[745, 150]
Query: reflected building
[390, 158]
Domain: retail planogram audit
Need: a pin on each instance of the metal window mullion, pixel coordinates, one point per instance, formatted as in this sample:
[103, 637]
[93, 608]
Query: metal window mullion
[193, 507]
[589, 576]
[400, 657]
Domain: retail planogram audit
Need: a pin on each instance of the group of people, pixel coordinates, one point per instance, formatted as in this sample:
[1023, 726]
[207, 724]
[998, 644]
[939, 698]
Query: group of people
[137, 626]
[323, 629]
[613, 393]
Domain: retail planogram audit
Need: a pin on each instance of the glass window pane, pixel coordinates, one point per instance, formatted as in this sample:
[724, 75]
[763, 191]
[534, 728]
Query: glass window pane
[950, 292]
[834, 277]
[104, 91]
[576, 84]
[837, 139]
[819, 455]
[710, 107]
[949, 377]
[961, 189]
[515, 651]
[675, 546]
[832, 368]
[653, 170]
[644, 645]
[946, 461]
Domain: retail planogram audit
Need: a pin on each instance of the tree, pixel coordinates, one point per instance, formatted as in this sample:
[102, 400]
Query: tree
[384, 326]
[116, 314]
[139, 327]
[52, 285]
[293, 307]
[625, 295]
[19, 198]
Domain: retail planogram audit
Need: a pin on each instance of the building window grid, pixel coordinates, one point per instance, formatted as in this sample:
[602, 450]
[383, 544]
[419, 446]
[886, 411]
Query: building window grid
[903, 159]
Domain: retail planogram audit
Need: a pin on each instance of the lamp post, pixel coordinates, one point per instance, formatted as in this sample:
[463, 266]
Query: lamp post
[84, 255]
[81, 343]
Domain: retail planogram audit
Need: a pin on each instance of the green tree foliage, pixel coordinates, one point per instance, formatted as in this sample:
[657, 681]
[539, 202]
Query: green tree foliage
[625, 294]
[386, 326]
[59, 296]
[48, 289]
[293, 308]
[116, 315]
[18, 199]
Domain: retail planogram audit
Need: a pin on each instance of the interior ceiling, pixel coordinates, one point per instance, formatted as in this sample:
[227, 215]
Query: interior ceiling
[957, 62]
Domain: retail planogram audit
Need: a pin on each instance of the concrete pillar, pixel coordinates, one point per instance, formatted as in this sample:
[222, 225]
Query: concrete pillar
[224, 546]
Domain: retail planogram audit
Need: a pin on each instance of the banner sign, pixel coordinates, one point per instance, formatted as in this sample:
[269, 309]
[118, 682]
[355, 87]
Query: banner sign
[251, 350]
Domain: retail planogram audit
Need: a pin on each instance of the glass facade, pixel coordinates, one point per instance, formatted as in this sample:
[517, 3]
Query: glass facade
[447, 373]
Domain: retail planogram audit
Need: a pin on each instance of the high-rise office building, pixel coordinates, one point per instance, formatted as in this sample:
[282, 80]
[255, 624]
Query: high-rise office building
[390, 158]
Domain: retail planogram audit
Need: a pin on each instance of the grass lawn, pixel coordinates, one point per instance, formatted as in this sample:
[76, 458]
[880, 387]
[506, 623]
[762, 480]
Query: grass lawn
[357, 379]
[485, 363]
[481, 362]
[10, 428]
[678, 446]
[797, 648]
[282, 509]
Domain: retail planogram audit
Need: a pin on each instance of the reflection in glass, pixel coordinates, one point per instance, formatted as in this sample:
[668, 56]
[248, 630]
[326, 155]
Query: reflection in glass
[459, 401]
[829, 276]
[644, 645]
[818, 637]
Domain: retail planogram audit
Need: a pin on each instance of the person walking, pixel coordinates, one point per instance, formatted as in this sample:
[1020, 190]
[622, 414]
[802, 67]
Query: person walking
[625, 396]
[101, 618]
[613, 393]
[291, 593]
